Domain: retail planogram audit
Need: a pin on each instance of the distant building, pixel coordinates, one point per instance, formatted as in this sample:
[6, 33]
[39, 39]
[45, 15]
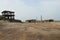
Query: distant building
[31, 21]
[50, 20]
[8, 15]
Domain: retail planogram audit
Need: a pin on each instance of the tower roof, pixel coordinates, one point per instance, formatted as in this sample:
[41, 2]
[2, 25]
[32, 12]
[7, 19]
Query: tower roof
[7, 11]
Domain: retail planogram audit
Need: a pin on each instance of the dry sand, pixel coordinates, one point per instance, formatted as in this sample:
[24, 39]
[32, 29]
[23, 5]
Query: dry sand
[29, 31]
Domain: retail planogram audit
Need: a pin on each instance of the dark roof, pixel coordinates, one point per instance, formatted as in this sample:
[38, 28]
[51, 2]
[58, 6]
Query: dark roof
[31, 20]
[7, 11]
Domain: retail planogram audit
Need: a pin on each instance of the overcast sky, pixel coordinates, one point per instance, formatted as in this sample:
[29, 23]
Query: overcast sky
[32, 9]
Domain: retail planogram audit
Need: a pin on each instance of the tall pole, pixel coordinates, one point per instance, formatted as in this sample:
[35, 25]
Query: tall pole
[36, 20]
[41, 18]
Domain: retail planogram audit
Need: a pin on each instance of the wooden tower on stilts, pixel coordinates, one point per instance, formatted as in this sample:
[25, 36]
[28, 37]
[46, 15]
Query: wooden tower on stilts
[8, 15]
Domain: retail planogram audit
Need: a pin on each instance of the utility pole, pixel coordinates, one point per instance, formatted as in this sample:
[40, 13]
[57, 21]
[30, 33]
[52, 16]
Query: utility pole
[36, 20]
[41, 18]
